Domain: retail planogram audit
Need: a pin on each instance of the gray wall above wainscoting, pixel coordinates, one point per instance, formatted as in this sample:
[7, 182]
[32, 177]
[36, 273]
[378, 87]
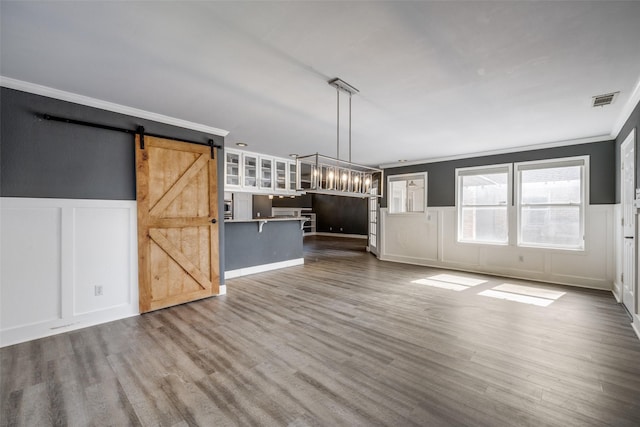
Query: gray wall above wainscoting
[633, 122]
[441, 185]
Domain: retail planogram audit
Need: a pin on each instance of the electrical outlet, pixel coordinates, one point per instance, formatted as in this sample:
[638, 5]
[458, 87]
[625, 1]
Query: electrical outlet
[341, 229]
[521, 258]
[97, 289]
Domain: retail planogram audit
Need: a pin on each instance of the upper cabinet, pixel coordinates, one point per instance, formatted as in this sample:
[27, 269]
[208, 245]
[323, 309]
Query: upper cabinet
[266, 173]
[250, 171]
[257, 173]
[232, 169]
[293, 177]
[281, 175]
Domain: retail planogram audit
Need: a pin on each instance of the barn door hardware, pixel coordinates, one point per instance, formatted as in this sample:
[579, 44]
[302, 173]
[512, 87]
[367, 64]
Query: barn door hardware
[138, 131]
[141, 133]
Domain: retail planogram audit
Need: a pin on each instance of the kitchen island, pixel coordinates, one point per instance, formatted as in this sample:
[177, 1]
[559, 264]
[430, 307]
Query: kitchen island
[262, 244]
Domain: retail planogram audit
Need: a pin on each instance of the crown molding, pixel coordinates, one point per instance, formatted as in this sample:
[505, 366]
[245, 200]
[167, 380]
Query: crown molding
[627, 110]
[105, 105]
[565, 143]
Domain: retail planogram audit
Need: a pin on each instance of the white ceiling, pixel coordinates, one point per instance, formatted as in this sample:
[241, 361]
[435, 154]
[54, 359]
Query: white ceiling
[436, 79]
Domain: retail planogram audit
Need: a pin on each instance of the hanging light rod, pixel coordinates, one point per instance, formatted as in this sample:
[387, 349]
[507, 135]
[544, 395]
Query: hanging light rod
[341, 84]
[316, 173]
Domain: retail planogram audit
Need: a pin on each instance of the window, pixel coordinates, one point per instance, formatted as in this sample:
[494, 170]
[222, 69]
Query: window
[407, 193]
[483, 200]
[551, 203]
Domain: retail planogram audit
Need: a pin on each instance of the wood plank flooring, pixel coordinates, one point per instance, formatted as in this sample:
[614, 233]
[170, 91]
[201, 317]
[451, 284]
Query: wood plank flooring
[345, 340]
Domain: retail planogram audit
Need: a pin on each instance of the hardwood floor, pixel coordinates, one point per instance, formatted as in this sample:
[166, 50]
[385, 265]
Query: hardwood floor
[345, 340]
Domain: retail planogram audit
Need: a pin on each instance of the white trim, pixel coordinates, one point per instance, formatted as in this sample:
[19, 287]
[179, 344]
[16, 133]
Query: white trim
[627, 110]
[481, 170]
[616, 293]
[472, 269]
[408, 177]
[350, 236]
[106, 105]
[261, 268]
[518, 167]
[223, 290]
[635, 324]
[42, 330]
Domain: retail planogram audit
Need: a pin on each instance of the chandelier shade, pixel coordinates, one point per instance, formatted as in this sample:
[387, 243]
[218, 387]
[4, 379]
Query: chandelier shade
[317, 173]
[328, 175]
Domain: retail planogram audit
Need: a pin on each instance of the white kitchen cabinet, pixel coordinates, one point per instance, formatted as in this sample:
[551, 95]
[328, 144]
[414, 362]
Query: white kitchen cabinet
[232, 169]
[250, 172]
[280, 175]
[266, 173]
[293, 177]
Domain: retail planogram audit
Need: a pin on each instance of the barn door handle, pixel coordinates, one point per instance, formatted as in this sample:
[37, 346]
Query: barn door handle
[213, 221]
[628, 237]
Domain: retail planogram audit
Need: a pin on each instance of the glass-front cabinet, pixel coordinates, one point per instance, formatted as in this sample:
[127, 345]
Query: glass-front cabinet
[256, 173]
[232, 169]
[266, 174]
[293, 178]
[281, 175]
[250, 171]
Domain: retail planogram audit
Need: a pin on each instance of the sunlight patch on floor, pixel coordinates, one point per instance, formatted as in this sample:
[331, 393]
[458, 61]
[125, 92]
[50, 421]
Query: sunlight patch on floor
[530, 290]
[449, 281]
[523, 294]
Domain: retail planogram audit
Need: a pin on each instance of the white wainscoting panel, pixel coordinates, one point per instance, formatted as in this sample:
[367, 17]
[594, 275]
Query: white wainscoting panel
[102, 257]
[508, 260]
[406, 226]
[30, 269]
[411, 239]
[54, 253]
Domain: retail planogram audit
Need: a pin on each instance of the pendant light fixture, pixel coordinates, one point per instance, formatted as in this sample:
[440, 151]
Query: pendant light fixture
[322, 174]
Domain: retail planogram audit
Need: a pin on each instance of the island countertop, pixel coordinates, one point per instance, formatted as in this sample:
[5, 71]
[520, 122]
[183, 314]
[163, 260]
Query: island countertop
[269, 219]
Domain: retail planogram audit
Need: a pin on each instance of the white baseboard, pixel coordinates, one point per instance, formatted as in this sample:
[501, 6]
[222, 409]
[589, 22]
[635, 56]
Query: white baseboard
[350, 236]
[43, 330]
[261, 268]
[223, 290]
[616, 293]
[472, 269]
[636, 325]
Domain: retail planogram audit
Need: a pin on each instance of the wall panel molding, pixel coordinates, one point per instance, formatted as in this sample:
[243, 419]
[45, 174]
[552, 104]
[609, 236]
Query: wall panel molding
[410, 240]
[55, 252]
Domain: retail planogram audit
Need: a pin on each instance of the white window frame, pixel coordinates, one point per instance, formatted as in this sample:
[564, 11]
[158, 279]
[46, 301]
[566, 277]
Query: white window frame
[407, 177]
[478, 170]
[584, 196]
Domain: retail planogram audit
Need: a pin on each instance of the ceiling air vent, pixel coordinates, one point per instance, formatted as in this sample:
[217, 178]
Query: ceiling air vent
[606, 99]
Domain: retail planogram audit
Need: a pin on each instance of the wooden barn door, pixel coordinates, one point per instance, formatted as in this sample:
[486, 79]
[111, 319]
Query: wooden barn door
[177, 196]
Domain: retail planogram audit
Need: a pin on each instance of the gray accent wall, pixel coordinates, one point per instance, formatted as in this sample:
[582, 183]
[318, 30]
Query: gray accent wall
[633, 122]
[246, 247]
[47, 159]
[261, 206]
[333, 213]
[441, 190]
[302, 201]
[42, 158]
[339, 214]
